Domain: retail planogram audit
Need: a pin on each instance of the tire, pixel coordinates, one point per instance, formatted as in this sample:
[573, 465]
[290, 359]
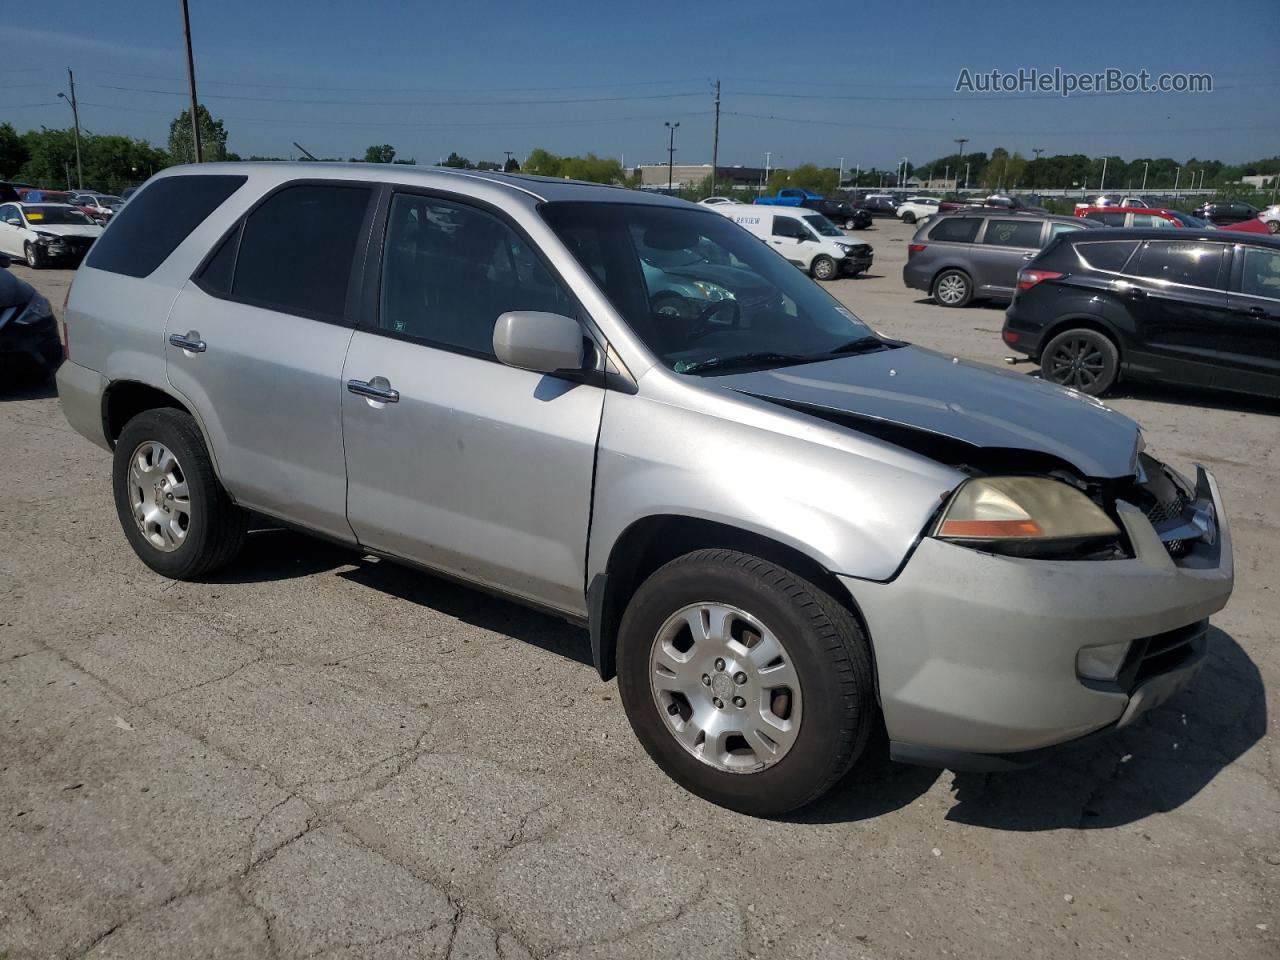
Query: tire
[1082, 359]
[850, 225]
[952, 288]
[823, 268]
[214, 528]
[1273, 226]
[35, 258]
[830, 713]
[908, 217]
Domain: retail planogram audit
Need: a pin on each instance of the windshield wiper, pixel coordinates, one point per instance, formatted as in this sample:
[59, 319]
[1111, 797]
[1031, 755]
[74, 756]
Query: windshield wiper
[862, 345]
[758, 359]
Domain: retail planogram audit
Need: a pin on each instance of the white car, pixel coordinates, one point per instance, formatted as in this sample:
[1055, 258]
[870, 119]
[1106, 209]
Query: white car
[916, 208]
[44, 233]
[805, 237]
[712, 201]
[1271, 217]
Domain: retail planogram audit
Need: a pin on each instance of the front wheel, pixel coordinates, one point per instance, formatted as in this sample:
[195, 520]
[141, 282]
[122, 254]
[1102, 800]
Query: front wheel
[823, 268]
[1084, 360]
[747, 684]
[850, 224]
[174, 511]
[1273, 226]
[34, 255]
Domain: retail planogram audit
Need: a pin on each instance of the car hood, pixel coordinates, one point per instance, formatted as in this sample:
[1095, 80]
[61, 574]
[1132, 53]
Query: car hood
[68, 229]
[968, 402]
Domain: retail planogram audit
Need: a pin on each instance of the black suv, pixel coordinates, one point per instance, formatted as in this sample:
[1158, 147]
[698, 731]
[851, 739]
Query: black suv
[1216, 211]
[1201, 308]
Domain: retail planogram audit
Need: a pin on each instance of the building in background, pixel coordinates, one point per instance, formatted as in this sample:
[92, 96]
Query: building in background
[653, 176]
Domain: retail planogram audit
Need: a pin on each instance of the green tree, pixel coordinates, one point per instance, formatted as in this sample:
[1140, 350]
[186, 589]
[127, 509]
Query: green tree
[213, 137]
[13, 153]
[807, 176]
[460, 162]
[380, 153]
[512, 165]
[542, 163]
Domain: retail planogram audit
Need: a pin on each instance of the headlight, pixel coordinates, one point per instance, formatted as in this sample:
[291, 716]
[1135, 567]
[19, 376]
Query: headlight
[1025, 516]
[713, 291]
[38, 309]
[51, 239]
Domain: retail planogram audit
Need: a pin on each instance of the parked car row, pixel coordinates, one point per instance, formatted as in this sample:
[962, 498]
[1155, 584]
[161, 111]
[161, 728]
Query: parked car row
[804, 237]
[43, 234]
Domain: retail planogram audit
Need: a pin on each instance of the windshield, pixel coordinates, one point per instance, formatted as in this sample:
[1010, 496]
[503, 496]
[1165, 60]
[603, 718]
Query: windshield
[56, 215]
[824, 226]
[701, 292]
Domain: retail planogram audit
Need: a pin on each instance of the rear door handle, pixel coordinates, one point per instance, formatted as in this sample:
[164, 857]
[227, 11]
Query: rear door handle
[1252, 311]
[374, 391]
[190, 341]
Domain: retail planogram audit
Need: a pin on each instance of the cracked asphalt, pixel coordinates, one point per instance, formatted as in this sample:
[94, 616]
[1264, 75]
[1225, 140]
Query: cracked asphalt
[320, 755]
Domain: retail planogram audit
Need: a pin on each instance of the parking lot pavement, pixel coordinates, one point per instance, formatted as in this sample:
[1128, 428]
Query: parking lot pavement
[317, 754]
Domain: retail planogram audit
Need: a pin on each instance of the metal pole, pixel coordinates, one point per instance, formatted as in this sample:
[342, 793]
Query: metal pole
[1177, 175]
[1144, 174]
[671, 153]
[1103, 178]
[840, 175]
[191, 82]
[962, 141]
[715, 142]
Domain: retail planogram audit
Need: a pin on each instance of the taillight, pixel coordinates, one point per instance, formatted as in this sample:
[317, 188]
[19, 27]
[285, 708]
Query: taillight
[1029, 278]
[915, 248]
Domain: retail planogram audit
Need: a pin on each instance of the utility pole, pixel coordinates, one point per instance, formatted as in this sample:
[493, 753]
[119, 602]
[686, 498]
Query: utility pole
[191, 82]
[1144, 173]
[75, 114]
[840, 175]
[715, 143]
[1037, 151]
[671, 152]
[962, 141]
[1103, 179]
[857, 175]
[1177, 175]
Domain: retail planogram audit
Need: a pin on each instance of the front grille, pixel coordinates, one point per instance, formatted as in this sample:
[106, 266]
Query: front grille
[1161, 511]
[1151, 656]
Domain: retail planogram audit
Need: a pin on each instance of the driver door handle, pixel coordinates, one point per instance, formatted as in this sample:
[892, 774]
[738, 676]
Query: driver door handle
[363, 388]
[189, 341]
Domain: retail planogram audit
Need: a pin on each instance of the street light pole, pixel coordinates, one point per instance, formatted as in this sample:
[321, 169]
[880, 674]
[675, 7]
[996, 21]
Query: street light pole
[75, 115]
[1144, 173]
[671, 152]
[1177, 175]
[191, 83]
[1103, 178]
[962, 141]
[840, 175]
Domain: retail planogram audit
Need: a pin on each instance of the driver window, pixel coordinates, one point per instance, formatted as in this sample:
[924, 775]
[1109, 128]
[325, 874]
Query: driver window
[787, 227]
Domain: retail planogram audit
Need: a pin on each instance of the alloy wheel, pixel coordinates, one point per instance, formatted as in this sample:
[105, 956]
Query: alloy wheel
[1077, 362]
[951, 289]
[159, 496]
[726, 687]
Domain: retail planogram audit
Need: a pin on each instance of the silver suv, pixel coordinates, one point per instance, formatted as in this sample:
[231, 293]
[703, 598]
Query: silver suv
[777, 526]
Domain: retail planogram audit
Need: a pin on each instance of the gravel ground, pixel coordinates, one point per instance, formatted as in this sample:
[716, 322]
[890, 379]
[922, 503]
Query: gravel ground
[317, 754]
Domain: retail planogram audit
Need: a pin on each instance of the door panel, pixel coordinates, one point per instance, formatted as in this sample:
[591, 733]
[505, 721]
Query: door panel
[1253, 334]
[1002, 251]
[479, 469]
[267, 390]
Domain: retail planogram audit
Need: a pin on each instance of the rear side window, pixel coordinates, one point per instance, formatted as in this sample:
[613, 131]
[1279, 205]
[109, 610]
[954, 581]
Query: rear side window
[1150, 221]
[297, 250]
[1013, 233]
[1261, 277]
[1107, 254]
[1107, 219]
[956, 229]
[1191, 263]
[157, 219]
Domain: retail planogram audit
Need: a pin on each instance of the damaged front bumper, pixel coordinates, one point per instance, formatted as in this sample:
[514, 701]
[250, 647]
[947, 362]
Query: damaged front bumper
[977, 654]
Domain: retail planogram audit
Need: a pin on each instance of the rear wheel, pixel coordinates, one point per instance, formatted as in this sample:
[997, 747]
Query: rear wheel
[174, 511]
[953, 288]
[747, 684]
[823, 268]
[908, 217]
[1084, 360]
[1273, 226]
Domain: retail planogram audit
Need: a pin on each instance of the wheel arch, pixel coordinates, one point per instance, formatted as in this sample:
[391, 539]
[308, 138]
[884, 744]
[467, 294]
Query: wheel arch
[1083, 321]
[125, 399]
[652, 541]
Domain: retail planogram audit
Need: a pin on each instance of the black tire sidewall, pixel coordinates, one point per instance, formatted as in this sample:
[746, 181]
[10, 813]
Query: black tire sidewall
[1110, 354]
[908, 218]
[177, 431]
[814, 761]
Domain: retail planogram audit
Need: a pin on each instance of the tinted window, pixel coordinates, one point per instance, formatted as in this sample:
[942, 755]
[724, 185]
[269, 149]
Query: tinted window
[298, 248]
[1109, 219]
[1261, 276]
[1108, 254]
[1013, 233]
[1186, 262]
[1150, 221]
[217, 274]
[157, 219]
[1057, 228]
[956, 229]
[787, 227]
[449, 271]
[8, 212]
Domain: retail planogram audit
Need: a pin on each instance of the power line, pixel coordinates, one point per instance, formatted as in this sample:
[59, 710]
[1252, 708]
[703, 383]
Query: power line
[404, 103]
[1002, 133]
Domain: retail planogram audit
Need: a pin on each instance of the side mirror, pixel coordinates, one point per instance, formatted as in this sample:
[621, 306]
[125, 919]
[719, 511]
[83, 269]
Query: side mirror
[13, 221]
[541, 342]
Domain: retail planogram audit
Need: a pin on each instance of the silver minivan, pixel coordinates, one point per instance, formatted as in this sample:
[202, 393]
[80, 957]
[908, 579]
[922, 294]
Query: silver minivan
[778, 528]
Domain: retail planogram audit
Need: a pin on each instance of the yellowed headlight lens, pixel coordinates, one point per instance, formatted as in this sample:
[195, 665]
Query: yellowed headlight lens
[1022, 508]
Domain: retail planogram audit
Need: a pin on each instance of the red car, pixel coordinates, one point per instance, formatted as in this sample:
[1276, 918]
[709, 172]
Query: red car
[1138, 217]
[1249, 226]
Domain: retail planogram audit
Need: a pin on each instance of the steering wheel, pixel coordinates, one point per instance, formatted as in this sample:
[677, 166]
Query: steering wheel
[703, 326]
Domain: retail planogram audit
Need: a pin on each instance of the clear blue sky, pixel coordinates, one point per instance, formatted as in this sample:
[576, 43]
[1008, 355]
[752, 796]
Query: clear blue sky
[870, 83]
